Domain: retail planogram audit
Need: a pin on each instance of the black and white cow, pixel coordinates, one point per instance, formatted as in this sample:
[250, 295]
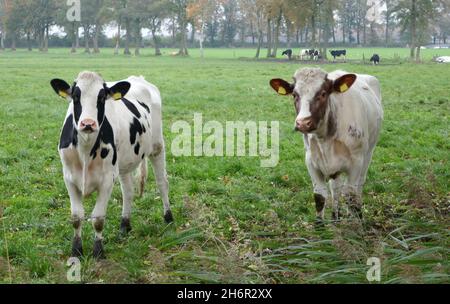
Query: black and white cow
[338, 53]
[288, 53]
[340, 116]
[375, 59]
[110, 130]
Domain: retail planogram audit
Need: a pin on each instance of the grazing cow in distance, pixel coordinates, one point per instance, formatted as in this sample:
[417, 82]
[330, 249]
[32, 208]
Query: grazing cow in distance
[110, 130]
[375, 59]
[443, 59]
[340, 116]
[288, 53]
[338, 53]
[312, 54]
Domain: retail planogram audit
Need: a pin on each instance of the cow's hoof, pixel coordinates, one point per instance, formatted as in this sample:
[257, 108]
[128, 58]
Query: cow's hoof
[125, 226]
[77, 247]
[168, 217]
[98, 251]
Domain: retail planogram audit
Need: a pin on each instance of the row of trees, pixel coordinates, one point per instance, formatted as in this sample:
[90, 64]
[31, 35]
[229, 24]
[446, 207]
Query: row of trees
[315, 23]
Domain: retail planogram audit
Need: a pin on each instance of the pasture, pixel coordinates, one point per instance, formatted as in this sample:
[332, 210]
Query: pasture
[235, 222]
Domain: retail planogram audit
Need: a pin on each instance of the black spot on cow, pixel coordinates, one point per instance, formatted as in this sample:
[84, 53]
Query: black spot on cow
[144, 106]
[135, 128]
[77, 108]
[104, 153]
[131, 107]
[136, 148]
[69, 134]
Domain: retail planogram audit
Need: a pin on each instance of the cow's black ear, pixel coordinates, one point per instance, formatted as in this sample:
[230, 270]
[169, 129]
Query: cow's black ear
[281, 86]
[119, 90]
[61, 87]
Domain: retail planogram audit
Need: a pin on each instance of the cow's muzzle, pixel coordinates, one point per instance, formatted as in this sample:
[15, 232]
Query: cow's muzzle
[305, 125]
[88, 126]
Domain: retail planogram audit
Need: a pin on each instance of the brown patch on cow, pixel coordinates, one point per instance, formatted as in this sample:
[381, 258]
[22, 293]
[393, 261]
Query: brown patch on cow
[157, 149]
[341, 149]
[98, 224]
[331, 125]
[318, 106]
[320, 202]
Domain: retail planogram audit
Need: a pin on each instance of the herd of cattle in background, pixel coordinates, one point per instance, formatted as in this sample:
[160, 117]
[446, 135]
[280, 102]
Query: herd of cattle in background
[316, 55]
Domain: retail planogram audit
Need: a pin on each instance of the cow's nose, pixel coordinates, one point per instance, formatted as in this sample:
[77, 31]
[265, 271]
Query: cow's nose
[304, 125]
[88, 125]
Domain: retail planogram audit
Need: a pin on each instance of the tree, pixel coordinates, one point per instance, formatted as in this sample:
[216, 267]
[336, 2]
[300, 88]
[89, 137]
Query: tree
[199, 11]
[180, 9]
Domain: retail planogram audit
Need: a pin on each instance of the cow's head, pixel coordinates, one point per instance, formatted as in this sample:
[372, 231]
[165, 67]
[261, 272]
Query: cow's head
[311, 90]
[88, 96]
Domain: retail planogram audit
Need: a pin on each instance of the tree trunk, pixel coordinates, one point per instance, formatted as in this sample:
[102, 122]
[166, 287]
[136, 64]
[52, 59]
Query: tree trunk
[137, 50]
[46, 38]
[86, 40]
[13, 42]
[127, 37]
[277, 36]
[30, 48]
[202, 30]
[252, 32]
[418, 54]
[95, 40]
[154, 28]
[116, 49]
[413, 28]
[2, 40]
[77, 37]
[74, 43]
[260, 41]
[269, 38]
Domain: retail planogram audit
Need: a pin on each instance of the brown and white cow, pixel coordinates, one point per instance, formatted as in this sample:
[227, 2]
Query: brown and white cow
[110, 130]
[340, 115]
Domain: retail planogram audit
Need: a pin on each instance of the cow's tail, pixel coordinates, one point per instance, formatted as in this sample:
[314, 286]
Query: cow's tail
[142, 176]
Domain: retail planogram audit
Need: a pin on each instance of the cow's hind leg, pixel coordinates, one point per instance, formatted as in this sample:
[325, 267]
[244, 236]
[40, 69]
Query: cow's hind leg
[98, 218]
[126, 183]
[336, 188]
[158, 160]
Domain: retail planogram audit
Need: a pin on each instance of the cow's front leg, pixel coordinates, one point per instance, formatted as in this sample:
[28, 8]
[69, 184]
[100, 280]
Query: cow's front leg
[126, 183]
[77, 211]
[320, 189]
[98, 218]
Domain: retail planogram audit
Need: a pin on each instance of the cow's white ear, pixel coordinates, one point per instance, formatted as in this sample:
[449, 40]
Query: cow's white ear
[343, 83]
[119, 90]
[61, 88]
[281, 86]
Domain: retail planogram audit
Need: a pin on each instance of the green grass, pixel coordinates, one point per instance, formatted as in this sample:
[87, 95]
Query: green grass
[235, 222]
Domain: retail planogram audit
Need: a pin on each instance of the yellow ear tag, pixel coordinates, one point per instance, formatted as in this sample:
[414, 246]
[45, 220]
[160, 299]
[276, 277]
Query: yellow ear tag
[63, 94]
[117, 96]
[281, 91]
[343, 88]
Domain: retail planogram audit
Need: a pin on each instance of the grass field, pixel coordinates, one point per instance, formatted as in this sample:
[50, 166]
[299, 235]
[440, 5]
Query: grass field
[234, 221]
